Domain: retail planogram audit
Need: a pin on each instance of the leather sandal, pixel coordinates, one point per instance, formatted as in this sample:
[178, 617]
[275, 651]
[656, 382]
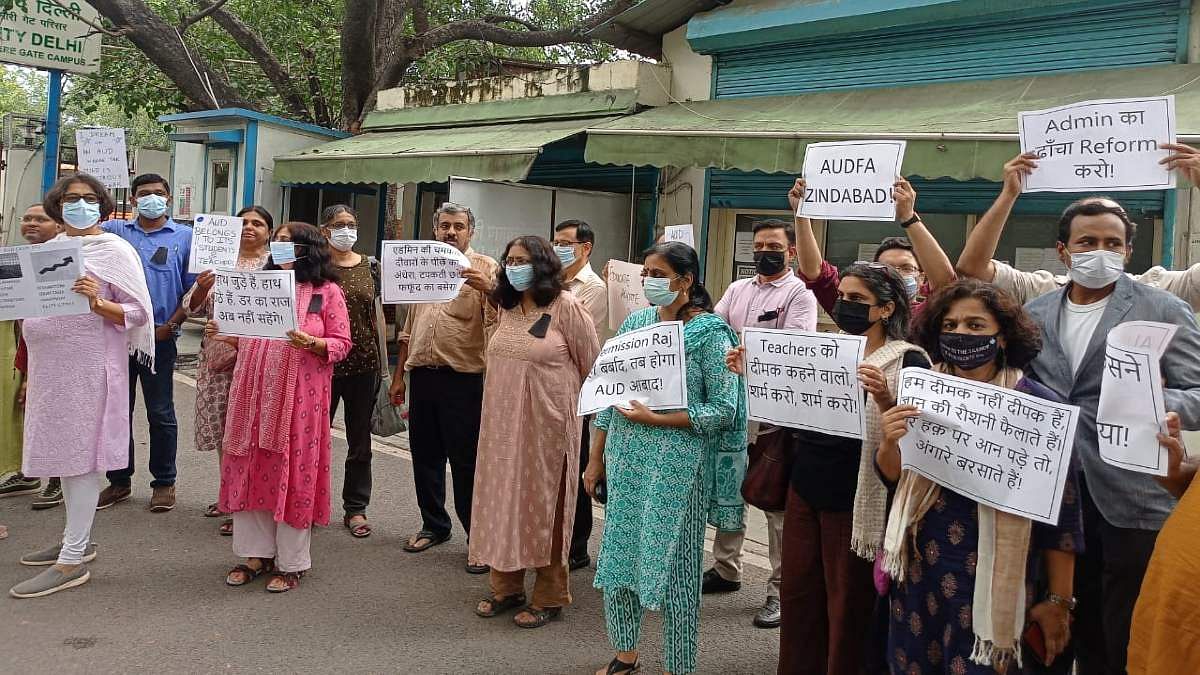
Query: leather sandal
[359, 530]
[498, 605]
[290, 581]
[541, 617]
[249, 573]
[431, 539]
[619, 667]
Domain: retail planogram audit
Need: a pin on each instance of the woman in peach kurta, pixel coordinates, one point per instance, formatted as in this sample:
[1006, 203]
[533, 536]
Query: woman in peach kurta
[525, 475]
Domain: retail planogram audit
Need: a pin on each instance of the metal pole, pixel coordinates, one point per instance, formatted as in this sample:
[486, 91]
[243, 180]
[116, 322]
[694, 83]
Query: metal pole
[50, 147]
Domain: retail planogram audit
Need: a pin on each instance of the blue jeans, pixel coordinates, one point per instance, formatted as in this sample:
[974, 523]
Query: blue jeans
[158, 393]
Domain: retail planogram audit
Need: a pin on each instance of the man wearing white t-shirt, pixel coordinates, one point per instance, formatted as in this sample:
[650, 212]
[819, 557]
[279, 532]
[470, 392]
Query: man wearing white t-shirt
[1122, 510]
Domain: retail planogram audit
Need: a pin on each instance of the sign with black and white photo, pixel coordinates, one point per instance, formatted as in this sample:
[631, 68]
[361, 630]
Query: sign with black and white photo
[851, 180]
[36, 281]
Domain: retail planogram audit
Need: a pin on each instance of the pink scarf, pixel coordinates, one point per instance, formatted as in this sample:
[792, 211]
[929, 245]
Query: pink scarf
[262, 397]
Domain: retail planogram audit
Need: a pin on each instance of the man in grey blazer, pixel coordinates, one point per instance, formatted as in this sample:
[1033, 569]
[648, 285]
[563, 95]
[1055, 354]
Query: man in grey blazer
[1123, 510]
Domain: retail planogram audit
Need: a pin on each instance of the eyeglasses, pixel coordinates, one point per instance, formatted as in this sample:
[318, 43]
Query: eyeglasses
[513, 262]
[564, 242]
[71, 198]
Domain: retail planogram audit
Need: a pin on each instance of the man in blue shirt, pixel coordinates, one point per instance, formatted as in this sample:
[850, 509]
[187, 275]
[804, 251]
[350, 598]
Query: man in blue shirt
[164, 247]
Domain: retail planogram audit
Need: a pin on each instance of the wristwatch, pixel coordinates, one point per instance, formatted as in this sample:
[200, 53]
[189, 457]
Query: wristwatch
[174, 327]
[916, 218]
[1066, 603]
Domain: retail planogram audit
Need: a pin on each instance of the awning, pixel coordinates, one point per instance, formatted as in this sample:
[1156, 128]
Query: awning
[496, 152]
[959, 130]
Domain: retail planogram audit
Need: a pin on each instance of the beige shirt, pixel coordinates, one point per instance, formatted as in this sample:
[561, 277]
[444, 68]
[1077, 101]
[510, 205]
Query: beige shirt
[454, 333]
[590, 289]
[1026, 286]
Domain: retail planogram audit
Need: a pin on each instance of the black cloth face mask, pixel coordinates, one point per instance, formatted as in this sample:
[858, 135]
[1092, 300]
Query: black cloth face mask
[967, 351]
[852, 317]
[768, 263]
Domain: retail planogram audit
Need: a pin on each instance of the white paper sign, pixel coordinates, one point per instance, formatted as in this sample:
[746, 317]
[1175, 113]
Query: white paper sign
[216, 240]
[743, 247]
[102, 154]
[51, 35]
[625, 294]
[421, 271]
[255, 304]
[1131, 412]
[851, 180]
[997, 446]
[680, 233]
[805, 380]
[36, 281]
[1110, 144]
[642, 365]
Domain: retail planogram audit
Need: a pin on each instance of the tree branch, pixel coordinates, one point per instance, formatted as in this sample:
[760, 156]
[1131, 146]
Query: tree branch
[506, 18]
[188, 22]
[254, 45]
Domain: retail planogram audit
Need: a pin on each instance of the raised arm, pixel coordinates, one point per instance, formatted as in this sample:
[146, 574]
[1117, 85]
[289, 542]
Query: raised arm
[808, 251]
[933, 260]
[976, 258]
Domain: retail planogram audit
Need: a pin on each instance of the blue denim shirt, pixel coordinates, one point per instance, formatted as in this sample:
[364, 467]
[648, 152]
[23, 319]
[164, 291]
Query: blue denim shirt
[167, 280]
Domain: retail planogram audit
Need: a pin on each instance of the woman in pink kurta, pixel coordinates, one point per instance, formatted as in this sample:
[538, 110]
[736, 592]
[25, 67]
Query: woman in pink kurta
[82, 360]
[275, 470]
[525, 475]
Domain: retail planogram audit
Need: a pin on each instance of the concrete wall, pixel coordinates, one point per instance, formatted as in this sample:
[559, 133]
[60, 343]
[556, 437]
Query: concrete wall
[682, 190]
[274, 141]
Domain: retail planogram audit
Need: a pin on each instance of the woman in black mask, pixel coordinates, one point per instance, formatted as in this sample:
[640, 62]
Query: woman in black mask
[978, 332]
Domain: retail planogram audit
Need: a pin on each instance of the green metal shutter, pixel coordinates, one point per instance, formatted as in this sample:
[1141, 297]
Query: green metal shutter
[756, 190]
[1093, 35]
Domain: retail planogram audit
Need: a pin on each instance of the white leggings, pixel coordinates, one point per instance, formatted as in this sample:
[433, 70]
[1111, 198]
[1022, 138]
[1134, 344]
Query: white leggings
[80, 494]
[257, 535]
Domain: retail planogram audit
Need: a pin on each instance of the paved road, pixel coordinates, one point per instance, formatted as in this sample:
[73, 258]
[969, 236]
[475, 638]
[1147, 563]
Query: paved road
[157, 601]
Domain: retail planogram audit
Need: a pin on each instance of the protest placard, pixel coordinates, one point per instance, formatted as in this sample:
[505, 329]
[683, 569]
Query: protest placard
[255, 304]
[805, 380]
[642, 365]
[851, 180]
[1109, 144]
[625, 294]
[997, 446]
[1131, 411]
[421, 271]
[216, 240]
[683, 234]
[36, 281]
[102, 153]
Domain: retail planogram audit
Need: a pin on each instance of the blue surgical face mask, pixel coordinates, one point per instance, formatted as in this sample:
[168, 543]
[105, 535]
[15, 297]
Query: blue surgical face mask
[152, 206]
[80, 214]
[520, 276]
[283, 252]
[911, 287]
[566, 255]
[658, 291]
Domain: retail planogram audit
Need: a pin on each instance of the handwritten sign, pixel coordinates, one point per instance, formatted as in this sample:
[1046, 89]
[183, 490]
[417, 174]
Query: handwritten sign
[680, 233]
[255, 304]
[50, 35]
[642, 365]
[1131, 412]
[1110, 144]
[1000, 447]
[805, 380]
[421, 271]
[851, 180]
[625, 294]
[102, 154]
[36, 281]
[216, 240]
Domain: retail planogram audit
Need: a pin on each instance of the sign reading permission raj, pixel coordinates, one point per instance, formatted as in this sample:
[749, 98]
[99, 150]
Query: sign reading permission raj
[851, 180]
[1104, 145]
[51, 35]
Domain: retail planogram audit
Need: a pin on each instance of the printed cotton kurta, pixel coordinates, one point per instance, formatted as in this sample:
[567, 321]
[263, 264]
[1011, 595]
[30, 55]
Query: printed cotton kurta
[10, 412]
[292, 482]
[653, 472]
[529, 435]
[77, 401]
[215, 372]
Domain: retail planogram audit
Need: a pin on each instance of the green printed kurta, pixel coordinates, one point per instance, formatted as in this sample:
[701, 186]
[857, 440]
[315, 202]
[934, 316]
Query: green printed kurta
[10, 413]
[653, 472]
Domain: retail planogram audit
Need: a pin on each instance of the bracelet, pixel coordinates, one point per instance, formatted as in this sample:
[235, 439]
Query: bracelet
[1066, 603]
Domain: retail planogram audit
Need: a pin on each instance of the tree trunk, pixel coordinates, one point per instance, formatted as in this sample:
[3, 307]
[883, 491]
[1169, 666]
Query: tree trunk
[358, 56]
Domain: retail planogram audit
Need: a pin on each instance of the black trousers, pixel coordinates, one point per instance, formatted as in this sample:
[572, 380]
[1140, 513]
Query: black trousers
[1108, 578]
[358, 393]
[581, 532]
[443, 424]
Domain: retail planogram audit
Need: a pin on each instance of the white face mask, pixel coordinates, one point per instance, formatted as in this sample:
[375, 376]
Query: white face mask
[1096, 269]
[343, 238]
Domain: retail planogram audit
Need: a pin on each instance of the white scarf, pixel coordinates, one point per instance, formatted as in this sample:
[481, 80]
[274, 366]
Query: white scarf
[111, 259]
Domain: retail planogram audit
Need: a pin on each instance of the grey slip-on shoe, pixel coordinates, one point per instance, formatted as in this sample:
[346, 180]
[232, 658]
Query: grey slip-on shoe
[51, 581]
[49, 556]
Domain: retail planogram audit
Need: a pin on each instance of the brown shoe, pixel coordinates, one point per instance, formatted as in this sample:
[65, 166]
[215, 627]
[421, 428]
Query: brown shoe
[163, 499]
[112, 495]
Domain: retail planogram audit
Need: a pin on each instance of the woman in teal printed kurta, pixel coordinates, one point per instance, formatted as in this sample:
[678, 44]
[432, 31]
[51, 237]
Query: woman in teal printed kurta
[668, 472]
